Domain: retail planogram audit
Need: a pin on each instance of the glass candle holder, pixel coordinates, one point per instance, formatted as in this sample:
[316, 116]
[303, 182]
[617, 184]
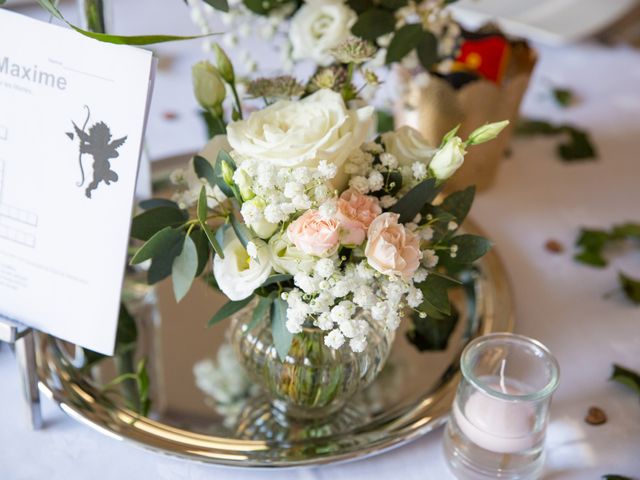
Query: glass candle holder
[499, 418]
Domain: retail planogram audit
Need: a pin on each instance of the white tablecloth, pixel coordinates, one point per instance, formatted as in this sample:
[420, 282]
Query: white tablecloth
[560, 302]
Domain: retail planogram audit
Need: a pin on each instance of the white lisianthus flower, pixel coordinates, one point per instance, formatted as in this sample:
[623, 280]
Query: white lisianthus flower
[318, 27]
[448, 159]
[237, 274]
[293, 134]
[408, 146]
[287, 258]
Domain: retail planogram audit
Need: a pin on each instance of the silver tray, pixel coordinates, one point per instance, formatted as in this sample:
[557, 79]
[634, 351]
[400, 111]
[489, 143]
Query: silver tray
[411, 397]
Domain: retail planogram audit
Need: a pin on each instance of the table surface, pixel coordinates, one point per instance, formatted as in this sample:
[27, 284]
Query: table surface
[536, 197]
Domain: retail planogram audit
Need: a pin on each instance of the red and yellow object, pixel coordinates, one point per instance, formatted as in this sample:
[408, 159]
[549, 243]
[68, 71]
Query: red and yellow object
[488, 57]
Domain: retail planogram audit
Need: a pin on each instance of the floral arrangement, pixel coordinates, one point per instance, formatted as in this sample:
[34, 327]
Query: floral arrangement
[311, 214]
[417, 33]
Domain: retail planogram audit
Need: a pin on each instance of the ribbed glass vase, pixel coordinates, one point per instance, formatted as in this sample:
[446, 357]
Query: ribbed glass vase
[313, 381]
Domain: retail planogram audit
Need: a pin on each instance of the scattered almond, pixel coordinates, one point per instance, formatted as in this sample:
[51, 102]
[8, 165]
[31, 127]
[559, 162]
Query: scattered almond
[554, 246]
[595, 416]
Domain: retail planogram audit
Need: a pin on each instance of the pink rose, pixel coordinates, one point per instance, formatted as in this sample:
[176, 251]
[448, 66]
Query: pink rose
[392, 249]
[314, 234]
[355, 213]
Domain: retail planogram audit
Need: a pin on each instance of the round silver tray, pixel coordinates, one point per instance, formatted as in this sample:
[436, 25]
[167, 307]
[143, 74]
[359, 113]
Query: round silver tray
[411, 397]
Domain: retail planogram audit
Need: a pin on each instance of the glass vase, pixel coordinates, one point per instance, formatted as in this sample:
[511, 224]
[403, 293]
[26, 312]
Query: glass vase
[313, 381]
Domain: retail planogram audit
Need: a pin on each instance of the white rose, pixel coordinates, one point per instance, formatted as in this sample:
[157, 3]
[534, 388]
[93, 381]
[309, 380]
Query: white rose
[287, 258]
[408, 146]
[448, 159]
[302, 133]
[318, 27]
[237, 274]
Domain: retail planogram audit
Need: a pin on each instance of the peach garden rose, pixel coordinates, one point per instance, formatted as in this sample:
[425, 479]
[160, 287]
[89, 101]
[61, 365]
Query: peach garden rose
[315, 234]
[391, 248]
[355, 212]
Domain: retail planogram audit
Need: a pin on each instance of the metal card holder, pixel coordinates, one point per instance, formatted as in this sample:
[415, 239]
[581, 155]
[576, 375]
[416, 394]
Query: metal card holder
[21, 338]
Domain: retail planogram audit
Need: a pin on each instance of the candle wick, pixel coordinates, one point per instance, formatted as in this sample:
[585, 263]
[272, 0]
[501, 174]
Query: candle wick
[503, 386]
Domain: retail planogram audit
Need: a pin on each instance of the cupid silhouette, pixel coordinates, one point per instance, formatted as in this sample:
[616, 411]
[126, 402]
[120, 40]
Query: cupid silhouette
[97, 143]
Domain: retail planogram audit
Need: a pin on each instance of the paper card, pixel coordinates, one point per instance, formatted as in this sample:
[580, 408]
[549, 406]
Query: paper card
[72, 118]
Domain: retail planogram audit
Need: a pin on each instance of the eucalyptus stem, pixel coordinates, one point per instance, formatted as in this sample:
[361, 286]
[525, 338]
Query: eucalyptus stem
[236, 99]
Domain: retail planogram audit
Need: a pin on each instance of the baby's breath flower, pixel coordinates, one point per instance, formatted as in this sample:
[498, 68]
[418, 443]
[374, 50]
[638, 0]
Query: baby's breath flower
[388, 201]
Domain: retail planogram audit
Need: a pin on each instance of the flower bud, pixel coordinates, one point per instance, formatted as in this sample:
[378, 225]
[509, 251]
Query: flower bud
[208, 86]
[224, 64]
[243, 181]
[227, 172]
[261, 227]
[486, 132]
[448, 159]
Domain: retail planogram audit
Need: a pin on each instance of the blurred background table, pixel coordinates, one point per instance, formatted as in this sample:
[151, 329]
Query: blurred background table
[536, 198]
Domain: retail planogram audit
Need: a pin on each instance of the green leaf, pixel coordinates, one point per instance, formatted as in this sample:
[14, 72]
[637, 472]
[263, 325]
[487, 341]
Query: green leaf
[392, 183]
[228, 309]
[280, 277]
[149, 222]
[470, 248]
[117, 39]
[626, 230]
[282, 337]
[127, 333]
[158, 202]
[212, 240]
[213, 124]
[385, 121]
[611, 476]
[373, 24]
[162, 263]
[202, 208]
[577, 147]
[159, 243]
[204, 170]
[562, 96]
[459, 203]
[631, 287]
[393, 4]
[591, 243]
[360, 6]
[242, 232]
[264, 304]
[626, 377]
[221, 5]
[219, 178]
[432, 333]
[416, 198]
[435, 291]
[202, 247]
[427, 50]
[405, 39]
[142, 382]
[184, 269]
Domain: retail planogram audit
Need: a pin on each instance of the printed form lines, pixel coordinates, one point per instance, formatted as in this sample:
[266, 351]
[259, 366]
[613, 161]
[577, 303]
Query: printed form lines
[24, 218]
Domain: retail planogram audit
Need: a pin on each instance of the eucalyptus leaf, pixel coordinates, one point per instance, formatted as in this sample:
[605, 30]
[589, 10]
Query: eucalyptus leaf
[149, 222]
[435, 291]
[282, 337]
[158, 202]
[470, 248]
[373, 24]
[416, 198]
[280, 277]
[204, 169]
[427, 50]
[260, 312]
[117, 39]
[202, 247]
[212, 240]
[405, 39]
[385, 121]
[459, 203]
[202, 209]
[221, 5]
[626, 377]
[157, 244]
[162, 263]
[430, 333]
[228, 309]
[241, 230]
[184, 269]
[591, 243]
[562, 96]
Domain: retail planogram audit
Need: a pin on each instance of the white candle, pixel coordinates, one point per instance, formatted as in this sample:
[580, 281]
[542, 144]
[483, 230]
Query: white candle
[498, 425]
